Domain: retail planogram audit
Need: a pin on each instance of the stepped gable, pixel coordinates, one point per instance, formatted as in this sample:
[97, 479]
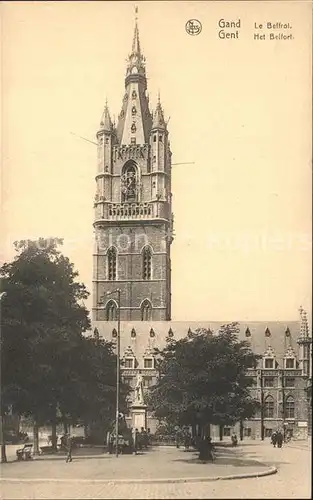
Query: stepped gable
[259, 342]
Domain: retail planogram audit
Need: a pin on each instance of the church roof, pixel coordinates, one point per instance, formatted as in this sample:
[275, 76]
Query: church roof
[150, 335]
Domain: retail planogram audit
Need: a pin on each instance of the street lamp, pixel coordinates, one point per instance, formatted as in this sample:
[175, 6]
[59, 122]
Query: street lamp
[2, 440]
[118, 292]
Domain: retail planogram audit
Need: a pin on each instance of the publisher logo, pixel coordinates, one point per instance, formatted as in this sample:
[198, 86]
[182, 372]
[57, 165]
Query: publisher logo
[193, 27]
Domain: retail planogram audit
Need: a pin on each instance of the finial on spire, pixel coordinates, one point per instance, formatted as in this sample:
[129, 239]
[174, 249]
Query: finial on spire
[136, 61]
[158, 115]
[106, 122]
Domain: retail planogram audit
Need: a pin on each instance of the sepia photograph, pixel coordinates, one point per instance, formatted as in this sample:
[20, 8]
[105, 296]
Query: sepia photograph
[156, 249]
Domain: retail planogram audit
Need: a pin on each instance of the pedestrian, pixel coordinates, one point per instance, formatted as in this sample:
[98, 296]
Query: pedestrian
[143, 438]
[187, 440]
[280, 439]
[234, 439]
[177, 438]
[136, 439]
[111, 443]
[69, 446]
[206, 449]
[274, 439]
[149, 436]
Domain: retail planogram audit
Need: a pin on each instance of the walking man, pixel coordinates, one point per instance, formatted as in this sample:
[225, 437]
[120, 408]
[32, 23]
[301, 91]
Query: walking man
[280, 439]
[69, 446]
[274, 439]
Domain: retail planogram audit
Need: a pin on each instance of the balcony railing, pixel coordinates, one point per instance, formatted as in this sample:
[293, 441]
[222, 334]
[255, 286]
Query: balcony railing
[130, 210]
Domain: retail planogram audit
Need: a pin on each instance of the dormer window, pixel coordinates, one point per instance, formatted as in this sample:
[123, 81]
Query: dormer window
[269, 359]
[129, 363]
[148, 363]
[134, 110]
[290, 359]
[269, 363]
[289, 363]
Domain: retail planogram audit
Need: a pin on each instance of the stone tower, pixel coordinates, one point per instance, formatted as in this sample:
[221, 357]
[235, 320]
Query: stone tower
[133, 205]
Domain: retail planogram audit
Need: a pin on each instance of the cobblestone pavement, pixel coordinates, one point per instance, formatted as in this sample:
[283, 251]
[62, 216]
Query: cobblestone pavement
[292, 481]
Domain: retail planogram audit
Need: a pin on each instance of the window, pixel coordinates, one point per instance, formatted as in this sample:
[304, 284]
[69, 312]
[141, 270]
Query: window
[133, 128]
[269, 363]
[146, 310]
[290, 363]
[128, 363]
[111, 311]
[289, 382]
[290, 407]
[133, 140]
[128, 381]
[154, 138]
[226, 431]
[111, 256]
[160, 138]
[146, 263]
[269, 407]
[247, 431]
[147, 381]
[134, 111]
[148, 363]
[268, 381]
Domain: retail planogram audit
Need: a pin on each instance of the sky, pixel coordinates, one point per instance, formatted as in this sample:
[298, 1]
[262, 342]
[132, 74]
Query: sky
[240, 109]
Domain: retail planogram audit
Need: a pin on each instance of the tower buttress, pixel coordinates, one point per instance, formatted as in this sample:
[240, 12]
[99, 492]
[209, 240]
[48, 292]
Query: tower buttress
[305, 343]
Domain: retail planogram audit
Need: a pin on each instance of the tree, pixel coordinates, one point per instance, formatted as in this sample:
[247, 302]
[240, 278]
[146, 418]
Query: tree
[42, 322]
[204, 379]
[51, 370]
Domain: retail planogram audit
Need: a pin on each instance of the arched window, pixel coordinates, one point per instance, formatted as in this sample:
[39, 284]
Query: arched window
[269, 407]
[146, 263]
[290, 407]
[129, 182]
[111, 311]
[111, 256]
[146, 310]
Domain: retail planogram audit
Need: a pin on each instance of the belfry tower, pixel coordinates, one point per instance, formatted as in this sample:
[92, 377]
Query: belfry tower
[133, 210]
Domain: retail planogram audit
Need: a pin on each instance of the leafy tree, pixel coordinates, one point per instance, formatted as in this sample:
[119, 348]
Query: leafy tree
[50, 370]
[204, 379]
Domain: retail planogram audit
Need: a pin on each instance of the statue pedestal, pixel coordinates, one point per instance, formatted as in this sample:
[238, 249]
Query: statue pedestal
[139, 416]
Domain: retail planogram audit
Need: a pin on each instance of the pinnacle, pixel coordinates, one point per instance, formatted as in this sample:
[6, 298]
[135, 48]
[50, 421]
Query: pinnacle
[106, 122]
[158, 115]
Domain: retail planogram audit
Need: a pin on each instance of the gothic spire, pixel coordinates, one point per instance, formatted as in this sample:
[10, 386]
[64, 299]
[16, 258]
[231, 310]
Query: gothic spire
[304, 327]
[136, 42]
[158, 115]
[136, 61]
[106, 122]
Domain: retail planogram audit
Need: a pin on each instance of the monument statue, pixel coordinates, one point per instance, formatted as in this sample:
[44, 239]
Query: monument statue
[139, 391]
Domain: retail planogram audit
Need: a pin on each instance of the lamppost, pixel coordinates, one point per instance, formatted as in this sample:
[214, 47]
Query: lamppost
[262, 406]
[2, 440]
[118, 292]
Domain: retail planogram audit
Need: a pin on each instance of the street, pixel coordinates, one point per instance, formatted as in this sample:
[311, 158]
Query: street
[96, 475]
